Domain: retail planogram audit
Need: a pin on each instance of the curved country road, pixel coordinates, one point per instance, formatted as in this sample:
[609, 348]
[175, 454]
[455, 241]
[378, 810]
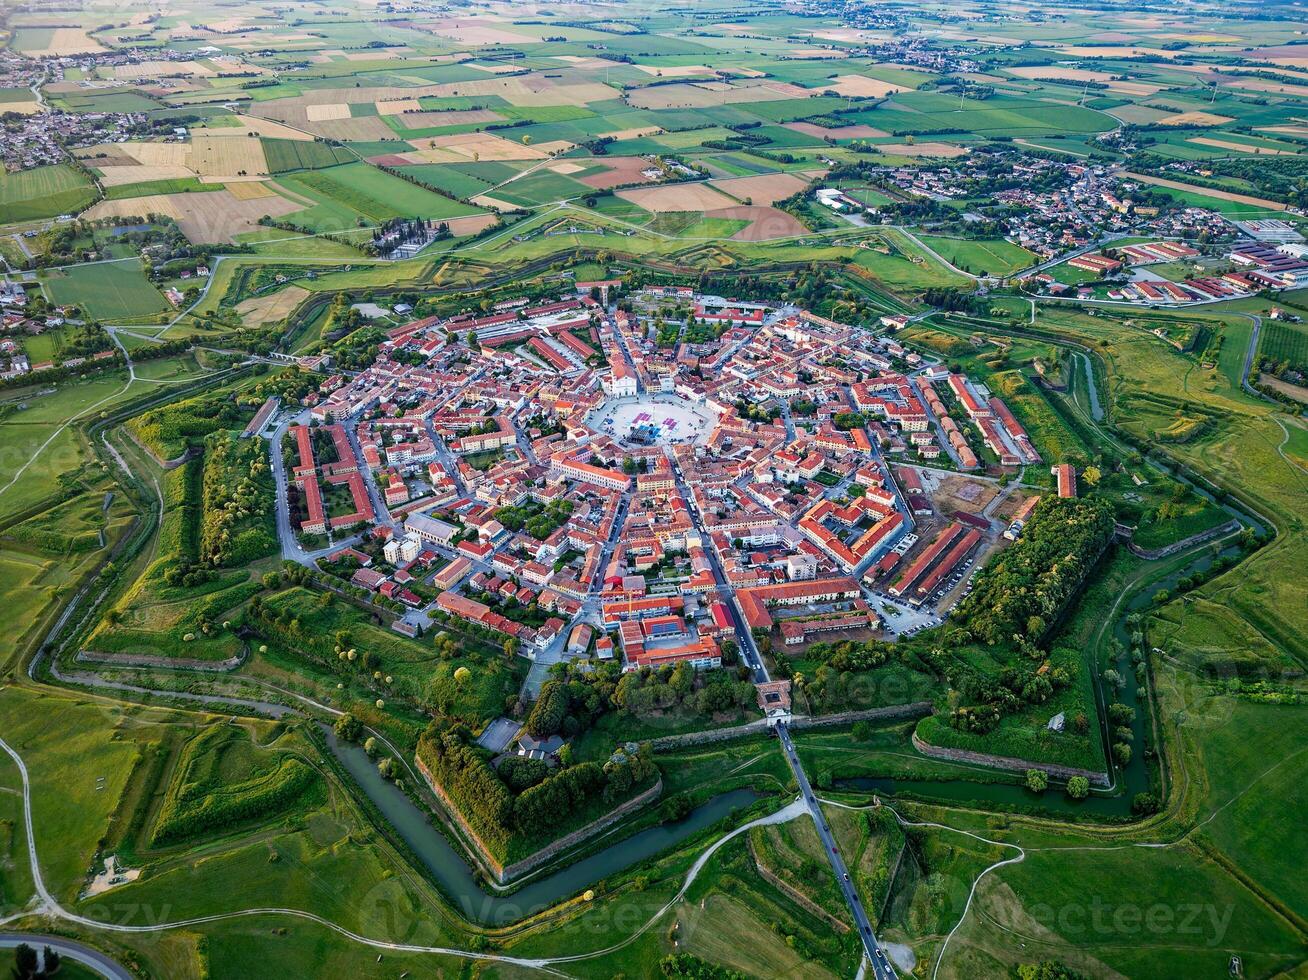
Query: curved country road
[49, 906]
[70, 950]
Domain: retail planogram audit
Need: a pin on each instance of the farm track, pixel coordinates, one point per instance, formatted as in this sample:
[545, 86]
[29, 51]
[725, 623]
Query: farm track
[49, 907]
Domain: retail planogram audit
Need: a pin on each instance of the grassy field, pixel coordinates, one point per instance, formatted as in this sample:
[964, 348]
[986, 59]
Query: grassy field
[993, 257]
[107, 290]
[43, 192]
[1284, 343]
[348, 193]
[39, 442]
[68, 969]
[175, 185]
[199, 803]
[284, 155]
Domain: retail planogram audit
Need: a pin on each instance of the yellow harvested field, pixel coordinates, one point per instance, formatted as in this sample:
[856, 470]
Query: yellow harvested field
[578, 61]
[138, 174]
[1112, 52]
[496, 69]
[763, 188]
[1287, 130]
[362, 128]
[1058, 71]
[476, 32]
[690, 96]
[22, 108]
[554, 147]
[331, 110]
[677, 197]
[944, 150]
[259, 127]
[631, 134]
[470, 224]
[1134, 88]
[482, 147]
[676, 71]
[855, 132]
[565, 167]
[1240, 147]
[1195, 119]
[862, 87]
[816, 54]
[275, 306]
[157, 154]
[64, 42]
[262, 41]
[485, 201]
[214, 216]
[1176, 185]
[396, 107]
[250, 190]
[227, 157]
[163, 69]
[377, 55]
[846, 34]
[1200, 38]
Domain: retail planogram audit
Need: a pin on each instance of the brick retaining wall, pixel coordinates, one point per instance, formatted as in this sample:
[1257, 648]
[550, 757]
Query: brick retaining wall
[1153, 554]
[914, 710]
[1007, 762]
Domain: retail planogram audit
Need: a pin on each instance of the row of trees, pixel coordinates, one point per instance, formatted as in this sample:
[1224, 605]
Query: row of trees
[524, 797]
[1019, 594]
[571, 702]
[236, 524]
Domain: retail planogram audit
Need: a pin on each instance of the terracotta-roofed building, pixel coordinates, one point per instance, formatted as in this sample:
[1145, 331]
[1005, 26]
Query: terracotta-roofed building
[1066, 474]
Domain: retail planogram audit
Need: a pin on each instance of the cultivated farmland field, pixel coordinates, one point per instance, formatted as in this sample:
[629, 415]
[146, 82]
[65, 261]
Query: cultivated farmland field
[357, 189]
[107, 291]
[1284, 343]
[43, 193]
[392, 604]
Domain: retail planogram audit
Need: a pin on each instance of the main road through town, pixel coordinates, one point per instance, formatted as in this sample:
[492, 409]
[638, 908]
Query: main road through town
[881, 968]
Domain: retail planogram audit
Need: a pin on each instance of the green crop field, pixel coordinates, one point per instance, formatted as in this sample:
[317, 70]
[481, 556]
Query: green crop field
[358, 190]
[285, 155]
[44, 192]
[1284, 343]
[175, 185]
[994, 257]
[1075, 754]
[109, 290]
[447, 178]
